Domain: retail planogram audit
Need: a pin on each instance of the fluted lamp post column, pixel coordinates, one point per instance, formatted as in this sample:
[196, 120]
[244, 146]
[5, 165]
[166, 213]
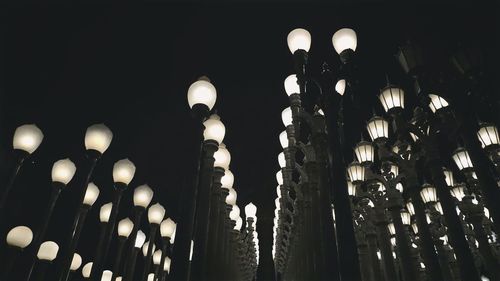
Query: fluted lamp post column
[46, 254]
[18, 238]
[156, 213]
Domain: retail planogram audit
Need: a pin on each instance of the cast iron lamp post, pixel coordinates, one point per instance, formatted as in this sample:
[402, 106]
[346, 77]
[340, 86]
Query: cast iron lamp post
[125, 227]
[18, 238]
[156, 213]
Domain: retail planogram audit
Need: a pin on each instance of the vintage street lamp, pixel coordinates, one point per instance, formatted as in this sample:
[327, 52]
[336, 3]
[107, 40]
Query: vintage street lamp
[356, 172]
[462, 159]
[458, 191]
[138, 244]
[124, 229]
[26, 140]
[365, 153]
[46, 254]
[86, 269]
[436, 103]
[18, 238]
[428, 194]
[378, 128]
[156, 213]
[107, 275]
[488, 135]
[345, 42]
[167, 230]
[156, 263]
[392, 99]
[76, 262]
[299, 43]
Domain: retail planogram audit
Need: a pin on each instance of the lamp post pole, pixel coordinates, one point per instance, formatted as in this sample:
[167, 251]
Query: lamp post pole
[214, 263]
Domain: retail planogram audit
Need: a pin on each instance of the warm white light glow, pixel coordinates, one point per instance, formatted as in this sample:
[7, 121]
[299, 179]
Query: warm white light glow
[157, 257]
[47, 251]
[488, 135]
[19, 237]
[27, 138]
[166, 265]
[250, 210]
[143, 195]
[351, 189]
[437, 103]
[392, 97]
[462, 159]
[123, 171]
[140, 239]
[458, 191]
[292, 85]
[214, 129]
[239, 223]
[86, 269]
[222, 157]
[98, 137]
[63, 171]
[167, 228]
[344, 39]
[231, 197]
[235, 213]
[364, 152]
[227, 180]
[392, 229]
[299, 39]
[107, 275]
[286, 116]
[356, 172]
[405, 217]
[125, 227]
[202, 92]
[411, 208]
[448, 176]
[156, 213]
[340, 87]
[284, 139]
[145, 247]
[91, 194]
[76, 262]
[281, 160]
[428, 193]
[105, 212]
[378, 128]
[279, 177]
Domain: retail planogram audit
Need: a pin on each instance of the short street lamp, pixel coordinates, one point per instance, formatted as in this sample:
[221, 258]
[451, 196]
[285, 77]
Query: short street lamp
[18, 238]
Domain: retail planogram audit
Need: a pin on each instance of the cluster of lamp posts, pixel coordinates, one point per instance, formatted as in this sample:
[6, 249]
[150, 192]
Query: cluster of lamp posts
[23, 242]
[409, 223]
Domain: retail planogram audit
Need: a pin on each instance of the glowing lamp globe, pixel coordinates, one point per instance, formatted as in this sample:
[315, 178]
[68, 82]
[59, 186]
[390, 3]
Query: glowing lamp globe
[356, 172]
[365, 152]
[279, 177]
[76, 262]
[91, 194]
[167, 228]
[86, 269]
[292, 85]
[437, 103]
[143, 195]
[340, 86]
[428, 193]
[139, 239]
[202, 92]
[125, 227]
[157, 257]
[227, 180]
[462, 159]
[123, 171]
[250, 210]
[239, 223]
[299, 39]
[282, 160]
[19, 237]
[166, 265]
[105, 212]
[278, 191]
[63, 171]
[392, 98]
[286, 116]
[48, 251]
[107, 275]
[283, 139]
[98, 137]
[156, 213]
[27, 138]
[378, 128]
[488, 135]
[405, 217]
[235, 213]
[222, 157]
[231, 197]
[214, 129]
[344, 39]
[145, 247]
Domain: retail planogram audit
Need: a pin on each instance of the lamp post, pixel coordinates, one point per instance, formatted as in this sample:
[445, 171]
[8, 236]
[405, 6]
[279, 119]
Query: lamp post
[167, 229]
[76, 262]
[155, 216]
[46, 254]
[124, 229]
[26, 140]
[138, 244]
[18, 238]
[201, 99]
[156, 263]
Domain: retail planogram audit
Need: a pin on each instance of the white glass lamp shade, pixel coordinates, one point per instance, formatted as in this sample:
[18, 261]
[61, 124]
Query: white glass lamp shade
[458, 191]
[286, 116]
[379, 255]
[392, 229]
[437, 103]
[278, 191]
[143, 195]
[151, 277]
[123, 171]
[63, 171]
[27, 138]
[86, 269]
[378, 128]
[157, 257]
[364, 152]
[235, 213]
[428, 193]
[462, 159]
[392, 97]
[107, 275]
[344, 39]
[167, 228]
[405, 217]
[145, 248]
[125, 227]
[292, 85]
[91, 194]
[19, 237]
[393, 243]
[166, 265]
[76, 262]
[156, 213]
[231, 197]
[140, 239]
[98, 137]
[284, 139]
[250, 210]
[340, 87]
[222, 157]
[214, 129]
[411, 208]
[356, 172]
[488, 135]
[351, 189]
[48, 251]
[227, 180]
[202, 92]
[118, 278]
[299, 39]
[105, 212]
[239, 223]
[448, 176]
[415, 228]
[279, 177]
[282, 160]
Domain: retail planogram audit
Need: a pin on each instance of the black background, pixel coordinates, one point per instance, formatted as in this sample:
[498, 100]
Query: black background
[129, 66]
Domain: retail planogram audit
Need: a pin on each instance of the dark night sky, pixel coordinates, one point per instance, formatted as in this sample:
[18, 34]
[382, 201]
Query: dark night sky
[130, 67]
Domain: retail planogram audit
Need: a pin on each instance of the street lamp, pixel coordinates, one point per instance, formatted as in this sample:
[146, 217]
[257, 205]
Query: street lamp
[345, 42]
[488, 135]
[364, 153]
[46, 254]
[462, 159]
[428, 194]
[378, 128]
[356, 172]
[125, 227]
[436, 103]
[17, 239]
[156, 213]
[392, 98]
[138, 244]
[86, 269]
[167, 230]
[458, 191]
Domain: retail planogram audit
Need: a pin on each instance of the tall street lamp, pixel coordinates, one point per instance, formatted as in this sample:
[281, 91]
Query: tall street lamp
[18, 238]
[46, 254]
[156, 213]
